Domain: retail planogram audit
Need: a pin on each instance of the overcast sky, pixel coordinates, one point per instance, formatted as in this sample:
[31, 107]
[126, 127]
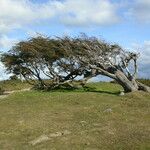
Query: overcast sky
[126, 22]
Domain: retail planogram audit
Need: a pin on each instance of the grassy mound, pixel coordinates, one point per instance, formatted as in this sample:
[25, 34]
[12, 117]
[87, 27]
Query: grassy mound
[77, 120]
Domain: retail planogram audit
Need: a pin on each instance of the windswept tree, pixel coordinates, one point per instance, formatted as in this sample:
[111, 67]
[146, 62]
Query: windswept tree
[101, 58]
[39, 58]
[63, 59]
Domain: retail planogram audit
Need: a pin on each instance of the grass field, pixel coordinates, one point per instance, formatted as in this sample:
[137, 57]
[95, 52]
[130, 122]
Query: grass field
[99, 119]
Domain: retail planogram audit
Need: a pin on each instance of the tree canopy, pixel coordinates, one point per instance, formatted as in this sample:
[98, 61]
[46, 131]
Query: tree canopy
[62, 60]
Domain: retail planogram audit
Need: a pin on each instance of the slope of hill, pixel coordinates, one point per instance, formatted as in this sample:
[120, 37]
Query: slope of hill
[96, 119]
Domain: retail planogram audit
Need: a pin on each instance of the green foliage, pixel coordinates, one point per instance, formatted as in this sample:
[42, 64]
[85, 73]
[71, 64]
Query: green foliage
[41, 56]
[62, 60]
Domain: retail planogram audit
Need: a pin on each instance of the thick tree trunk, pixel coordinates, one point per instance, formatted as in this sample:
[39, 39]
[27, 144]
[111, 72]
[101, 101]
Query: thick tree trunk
[130, 85]
[143, 87]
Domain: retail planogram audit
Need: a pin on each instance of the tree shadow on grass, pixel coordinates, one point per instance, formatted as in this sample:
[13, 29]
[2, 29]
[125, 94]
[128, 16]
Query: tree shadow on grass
[86, 89]
[93, 89]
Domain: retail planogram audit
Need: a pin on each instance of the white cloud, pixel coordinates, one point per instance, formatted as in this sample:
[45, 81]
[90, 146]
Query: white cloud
[146, 52]
[6, 42]
[87, 12]
[140, 10]
[18, 13]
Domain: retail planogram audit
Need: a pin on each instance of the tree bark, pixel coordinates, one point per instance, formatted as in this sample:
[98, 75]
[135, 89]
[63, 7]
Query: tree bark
[128, 85]
[143, 87]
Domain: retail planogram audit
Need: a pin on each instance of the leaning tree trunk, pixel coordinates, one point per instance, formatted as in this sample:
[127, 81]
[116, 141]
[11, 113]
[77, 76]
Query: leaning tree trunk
[143, 87]
[130, 84]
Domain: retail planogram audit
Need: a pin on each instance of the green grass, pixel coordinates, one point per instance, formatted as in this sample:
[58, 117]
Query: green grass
[97, 120]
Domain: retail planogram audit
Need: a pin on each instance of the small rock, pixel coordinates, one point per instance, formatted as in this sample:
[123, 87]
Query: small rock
[55, 134]
[121, 93]
[43, 138]
[40, 139]
[108, 110]
[83, 122]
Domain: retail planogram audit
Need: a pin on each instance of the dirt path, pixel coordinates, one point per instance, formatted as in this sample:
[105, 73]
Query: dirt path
[7, 93]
